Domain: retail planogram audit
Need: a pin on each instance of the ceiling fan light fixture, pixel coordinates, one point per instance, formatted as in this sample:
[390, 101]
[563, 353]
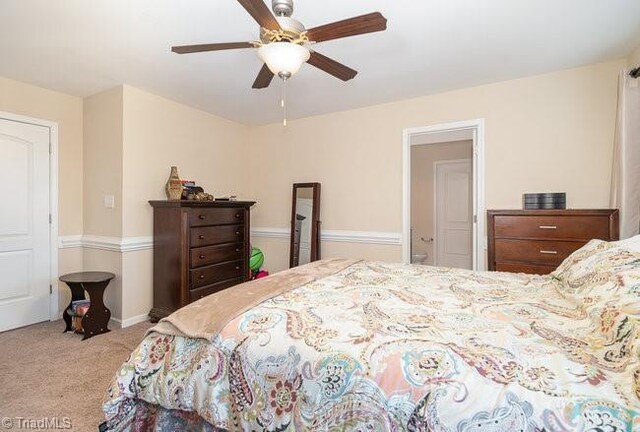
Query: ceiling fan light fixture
[284, 58]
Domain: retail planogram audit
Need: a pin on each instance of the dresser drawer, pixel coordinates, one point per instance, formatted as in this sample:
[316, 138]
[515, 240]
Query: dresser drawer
[184, 231]
[216, 254]
[549, 252]
[211, 235]
[552, 227]
[524, 268]
[215, 216]
[199, 293]
[215, 273]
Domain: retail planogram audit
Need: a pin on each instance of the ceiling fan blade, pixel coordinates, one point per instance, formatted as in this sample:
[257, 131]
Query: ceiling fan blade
[331, 67]
[261, 13]
[264, 78]
[186, 49]
[373, 22]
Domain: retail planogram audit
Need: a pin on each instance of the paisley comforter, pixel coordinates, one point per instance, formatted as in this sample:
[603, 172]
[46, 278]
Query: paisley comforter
[390, 347]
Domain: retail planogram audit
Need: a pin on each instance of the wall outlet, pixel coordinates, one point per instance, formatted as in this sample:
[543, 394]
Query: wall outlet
[109, 201]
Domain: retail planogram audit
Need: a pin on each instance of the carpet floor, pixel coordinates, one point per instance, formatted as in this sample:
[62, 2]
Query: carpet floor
[45, 373]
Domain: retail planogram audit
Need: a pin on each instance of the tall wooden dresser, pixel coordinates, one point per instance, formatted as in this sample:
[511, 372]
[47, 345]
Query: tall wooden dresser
[199, 248]
[537, 241]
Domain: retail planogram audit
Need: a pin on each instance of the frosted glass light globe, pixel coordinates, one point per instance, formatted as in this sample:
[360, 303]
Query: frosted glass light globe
[284, 57]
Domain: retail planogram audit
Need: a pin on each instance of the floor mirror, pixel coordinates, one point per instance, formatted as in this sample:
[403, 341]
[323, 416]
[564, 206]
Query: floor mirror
[305, 224]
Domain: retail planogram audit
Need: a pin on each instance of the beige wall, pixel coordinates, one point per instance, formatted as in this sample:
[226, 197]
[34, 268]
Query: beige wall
[108, 261]
[103, 163]
[159, 133]
[66, 111]
[32, 101]
[137, 290]
[69, 261]
[634, 58]
[103, 176]
[131, 140]
[422, 188]
[156, 134]
[547, 132]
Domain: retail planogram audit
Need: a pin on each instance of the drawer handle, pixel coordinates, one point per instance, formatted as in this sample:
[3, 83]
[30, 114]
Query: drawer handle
[237, 249]
[201, 256]
[237, 232]
[201, 276]
[237, 215]
[548, 227]
[237, 267]
[549, 252]
[202, 217]
[201, 237]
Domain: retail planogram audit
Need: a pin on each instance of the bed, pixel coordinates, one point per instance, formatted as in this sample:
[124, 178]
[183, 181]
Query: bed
[369, 346]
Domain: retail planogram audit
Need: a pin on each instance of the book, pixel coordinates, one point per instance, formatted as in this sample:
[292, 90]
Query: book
[78, 308]
[78, 303]
[82, 309]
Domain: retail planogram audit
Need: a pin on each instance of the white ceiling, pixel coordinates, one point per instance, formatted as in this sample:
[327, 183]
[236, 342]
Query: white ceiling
[82, 47]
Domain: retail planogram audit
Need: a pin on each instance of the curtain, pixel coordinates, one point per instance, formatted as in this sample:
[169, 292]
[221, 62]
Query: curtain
[625, 176]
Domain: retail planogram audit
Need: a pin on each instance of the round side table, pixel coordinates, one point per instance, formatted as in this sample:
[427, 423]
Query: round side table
[95, 321]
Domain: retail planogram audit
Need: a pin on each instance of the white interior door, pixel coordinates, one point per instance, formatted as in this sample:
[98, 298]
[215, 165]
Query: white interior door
[454, 214]
[24, 224]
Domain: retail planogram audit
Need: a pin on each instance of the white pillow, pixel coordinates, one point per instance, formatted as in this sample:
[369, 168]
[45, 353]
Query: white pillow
[632, 243]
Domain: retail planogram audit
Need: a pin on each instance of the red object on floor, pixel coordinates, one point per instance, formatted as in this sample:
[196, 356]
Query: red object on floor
[261, 274]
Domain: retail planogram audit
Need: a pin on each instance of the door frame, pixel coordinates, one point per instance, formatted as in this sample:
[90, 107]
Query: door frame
[54, 309]
[435, 202]
[479, 226]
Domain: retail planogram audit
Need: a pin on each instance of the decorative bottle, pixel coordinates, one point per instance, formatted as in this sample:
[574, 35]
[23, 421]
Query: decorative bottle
[174, 185]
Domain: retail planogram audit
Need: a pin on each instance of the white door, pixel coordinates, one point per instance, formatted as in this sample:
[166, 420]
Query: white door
[454, 214]
[24, 224]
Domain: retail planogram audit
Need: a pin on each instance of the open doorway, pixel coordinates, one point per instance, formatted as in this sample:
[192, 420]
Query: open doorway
[442, 201]
[443, 195]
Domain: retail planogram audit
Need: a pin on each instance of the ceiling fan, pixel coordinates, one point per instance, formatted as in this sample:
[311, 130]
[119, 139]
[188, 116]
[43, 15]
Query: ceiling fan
[283, 44]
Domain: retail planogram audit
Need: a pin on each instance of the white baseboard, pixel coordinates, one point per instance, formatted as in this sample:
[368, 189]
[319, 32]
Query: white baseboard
[130, 321]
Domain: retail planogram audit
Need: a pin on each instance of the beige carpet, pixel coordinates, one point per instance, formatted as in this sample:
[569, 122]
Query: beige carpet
[45, 373]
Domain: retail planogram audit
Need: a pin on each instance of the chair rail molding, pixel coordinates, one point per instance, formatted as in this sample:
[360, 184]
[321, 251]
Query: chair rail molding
[132, 244]
[113, 244]
[344, 236]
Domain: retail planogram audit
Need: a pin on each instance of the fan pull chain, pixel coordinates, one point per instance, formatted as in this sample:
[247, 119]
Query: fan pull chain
[283, 102]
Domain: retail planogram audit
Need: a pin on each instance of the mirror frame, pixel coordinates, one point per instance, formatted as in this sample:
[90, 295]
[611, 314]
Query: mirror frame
[315, 221]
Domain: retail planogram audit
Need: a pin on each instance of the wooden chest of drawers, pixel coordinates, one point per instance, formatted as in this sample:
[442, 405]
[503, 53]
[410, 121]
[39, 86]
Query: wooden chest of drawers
[537, 241]
[199, 248]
